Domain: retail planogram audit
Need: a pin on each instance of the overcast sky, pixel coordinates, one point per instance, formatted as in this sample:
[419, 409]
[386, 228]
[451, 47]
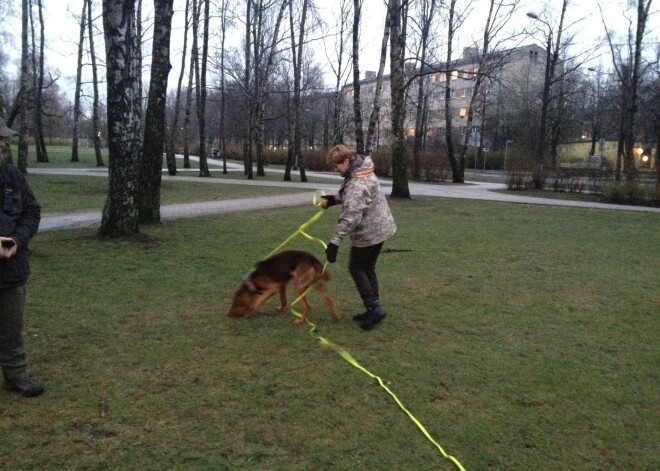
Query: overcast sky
[62, 29]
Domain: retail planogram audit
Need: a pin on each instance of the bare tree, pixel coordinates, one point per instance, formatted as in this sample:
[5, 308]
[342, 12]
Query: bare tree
[78, 91]
[120, 214]
[174, 125]
[38, 84]
[202, 92]
[428, 8]
[297, 54]
[337, 65]
[23, 94]
[154, 135]
[629, 73]
[553, 48]
[96, 128]
[398, 14]
[357, 104]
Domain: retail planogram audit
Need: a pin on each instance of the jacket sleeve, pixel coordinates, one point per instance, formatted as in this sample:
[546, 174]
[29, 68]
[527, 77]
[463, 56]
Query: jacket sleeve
[28, 222]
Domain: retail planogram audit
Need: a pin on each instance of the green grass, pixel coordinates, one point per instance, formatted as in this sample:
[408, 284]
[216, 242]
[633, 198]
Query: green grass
[65, 193]
[522, 337]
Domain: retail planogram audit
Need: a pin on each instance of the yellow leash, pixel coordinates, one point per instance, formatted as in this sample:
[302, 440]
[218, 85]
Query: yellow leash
[341, 350]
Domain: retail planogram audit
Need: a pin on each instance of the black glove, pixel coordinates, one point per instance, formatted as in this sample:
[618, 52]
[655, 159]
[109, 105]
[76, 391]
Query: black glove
[331, 252]
[330, 199]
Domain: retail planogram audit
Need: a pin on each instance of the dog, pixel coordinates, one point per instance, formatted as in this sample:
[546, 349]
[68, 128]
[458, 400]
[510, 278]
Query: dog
[271, 276]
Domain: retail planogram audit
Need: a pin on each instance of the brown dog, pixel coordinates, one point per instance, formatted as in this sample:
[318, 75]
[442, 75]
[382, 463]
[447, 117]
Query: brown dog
[273, 274]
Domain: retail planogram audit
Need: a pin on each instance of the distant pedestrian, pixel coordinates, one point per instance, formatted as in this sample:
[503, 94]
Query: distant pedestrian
[20, 214]
[366, 218]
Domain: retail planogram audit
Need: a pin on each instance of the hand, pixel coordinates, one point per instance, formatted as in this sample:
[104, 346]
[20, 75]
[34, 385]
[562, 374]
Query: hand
[331, 252]
[8, 247]
[327, 201]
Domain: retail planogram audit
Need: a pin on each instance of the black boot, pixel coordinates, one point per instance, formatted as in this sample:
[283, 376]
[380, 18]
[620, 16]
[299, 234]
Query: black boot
[26, 386]
[361, 316]
[374, 315]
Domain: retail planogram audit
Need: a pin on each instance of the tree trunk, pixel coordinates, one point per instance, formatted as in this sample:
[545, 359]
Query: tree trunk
[120, 214]
[201, 105]
[23, 94]
[96, 138]
[174, 127]
[357, 104]
[76, 100]
[40, 143]
[154, 132]
[398, 15]
[457, 165]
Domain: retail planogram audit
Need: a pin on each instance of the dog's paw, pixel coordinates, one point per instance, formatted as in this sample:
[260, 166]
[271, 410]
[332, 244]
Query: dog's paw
[281, 308]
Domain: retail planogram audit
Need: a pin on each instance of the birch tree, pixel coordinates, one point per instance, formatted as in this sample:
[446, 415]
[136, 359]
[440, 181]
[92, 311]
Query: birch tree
[120, 213]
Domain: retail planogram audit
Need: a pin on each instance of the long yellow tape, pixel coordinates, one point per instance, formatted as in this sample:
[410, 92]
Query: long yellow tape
[341, 350]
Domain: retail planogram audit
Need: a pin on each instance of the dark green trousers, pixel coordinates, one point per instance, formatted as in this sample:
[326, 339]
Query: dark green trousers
[13, 358]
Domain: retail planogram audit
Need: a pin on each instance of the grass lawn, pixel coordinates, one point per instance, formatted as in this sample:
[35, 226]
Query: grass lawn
[522, 337]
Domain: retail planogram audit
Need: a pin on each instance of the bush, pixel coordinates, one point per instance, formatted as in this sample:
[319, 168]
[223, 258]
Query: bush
[629, 192]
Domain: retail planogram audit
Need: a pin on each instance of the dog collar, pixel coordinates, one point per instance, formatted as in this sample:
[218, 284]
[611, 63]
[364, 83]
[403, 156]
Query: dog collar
[252, 288]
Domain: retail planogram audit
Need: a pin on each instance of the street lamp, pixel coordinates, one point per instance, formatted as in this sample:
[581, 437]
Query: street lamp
[551, 59]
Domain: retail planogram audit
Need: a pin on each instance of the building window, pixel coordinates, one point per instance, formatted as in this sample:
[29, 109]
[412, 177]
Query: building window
[454, 74]
[464, 92]
[462, 112]
[452, 93]
[410, 132]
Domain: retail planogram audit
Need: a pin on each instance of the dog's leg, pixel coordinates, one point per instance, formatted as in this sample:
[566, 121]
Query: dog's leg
[300, 287]
[320, 286]
[262, 298]
[283, 300]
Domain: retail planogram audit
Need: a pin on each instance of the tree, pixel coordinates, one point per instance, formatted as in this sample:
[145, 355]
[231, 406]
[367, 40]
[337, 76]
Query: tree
[629, 73]
[38, 85]
[154, 135]
[78, 91]
[174, 125]
[23, 93]
[201, 95]
[357, 104]
[96, 128]
[427, 8]
[120, 213]
[553, 48]
[397, 10]
[297, 54]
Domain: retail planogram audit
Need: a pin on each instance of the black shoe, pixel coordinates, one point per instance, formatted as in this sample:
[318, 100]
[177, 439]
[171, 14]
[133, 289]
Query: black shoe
[360, 317]
[372, 319]
[26, 386]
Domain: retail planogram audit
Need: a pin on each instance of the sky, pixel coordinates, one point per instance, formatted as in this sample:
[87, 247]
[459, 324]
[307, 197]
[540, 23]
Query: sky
[62, 29]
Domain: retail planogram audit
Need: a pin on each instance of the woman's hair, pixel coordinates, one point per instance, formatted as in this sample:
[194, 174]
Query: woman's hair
[339, 153]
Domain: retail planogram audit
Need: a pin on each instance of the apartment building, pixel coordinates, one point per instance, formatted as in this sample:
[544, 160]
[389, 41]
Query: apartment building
[506, 72]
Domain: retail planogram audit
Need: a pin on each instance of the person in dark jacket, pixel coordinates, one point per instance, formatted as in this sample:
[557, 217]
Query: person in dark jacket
[366, 218]
[20, 214]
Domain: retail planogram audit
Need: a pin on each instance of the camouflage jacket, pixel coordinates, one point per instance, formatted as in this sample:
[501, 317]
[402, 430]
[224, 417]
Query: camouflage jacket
[365, 216]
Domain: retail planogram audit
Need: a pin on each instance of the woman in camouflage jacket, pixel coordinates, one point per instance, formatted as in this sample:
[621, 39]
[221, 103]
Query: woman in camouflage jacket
[366, 218]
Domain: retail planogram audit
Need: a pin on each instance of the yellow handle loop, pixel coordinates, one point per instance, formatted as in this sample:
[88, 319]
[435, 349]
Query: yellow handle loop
[338, 348]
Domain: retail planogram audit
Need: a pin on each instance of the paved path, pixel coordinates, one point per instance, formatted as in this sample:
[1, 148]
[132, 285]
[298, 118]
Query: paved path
[470, 190]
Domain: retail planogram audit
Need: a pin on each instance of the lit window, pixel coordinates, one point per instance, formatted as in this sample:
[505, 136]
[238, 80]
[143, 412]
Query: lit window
[463, 112]
[454, 74]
